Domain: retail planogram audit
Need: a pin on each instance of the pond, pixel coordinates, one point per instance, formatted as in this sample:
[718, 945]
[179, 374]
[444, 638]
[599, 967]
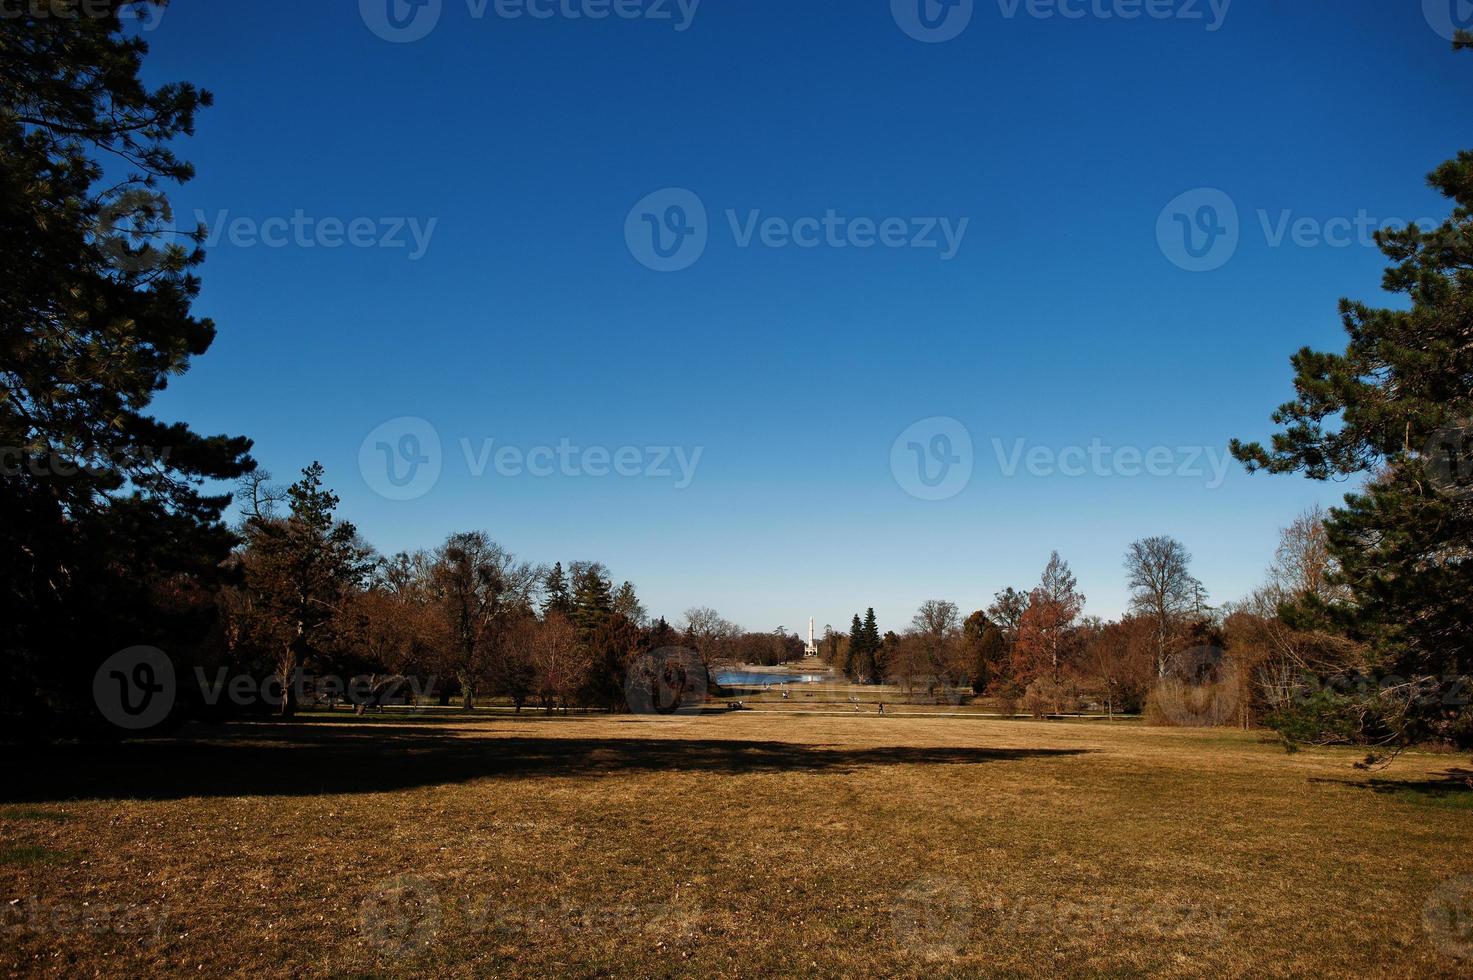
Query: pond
[747, 678]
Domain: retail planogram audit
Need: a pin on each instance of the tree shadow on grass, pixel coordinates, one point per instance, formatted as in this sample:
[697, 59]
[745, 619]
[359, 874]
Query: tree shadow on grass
[296, 759]
[1452, 787]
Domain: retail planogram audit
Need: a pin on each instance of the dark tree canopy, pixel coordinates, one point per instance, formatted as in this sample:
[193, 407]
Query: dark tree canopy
[102, 506]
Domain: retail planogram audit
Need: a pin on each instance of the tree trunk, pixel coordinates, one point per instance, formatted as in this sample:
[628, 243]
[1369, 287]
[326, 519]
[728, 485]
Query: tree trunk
[291, 659]
[467, 693]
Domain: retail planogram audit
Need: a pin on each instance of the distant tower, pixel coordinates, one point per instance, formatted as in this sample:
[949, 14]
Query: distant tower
[812, 648]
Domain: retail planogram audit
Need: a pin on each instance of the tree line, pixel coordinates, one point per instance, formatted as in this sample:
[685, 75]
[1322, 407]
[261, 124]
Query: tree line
[1173, 656]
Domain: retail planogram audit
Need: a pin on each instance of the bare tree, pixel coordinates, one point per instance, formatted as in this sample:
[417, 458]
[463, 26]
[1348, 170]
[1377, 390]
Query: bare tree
[1302, 565]
[560, 663]
[710, 635]
[934, 644]
[1164, 590]
[480, 589]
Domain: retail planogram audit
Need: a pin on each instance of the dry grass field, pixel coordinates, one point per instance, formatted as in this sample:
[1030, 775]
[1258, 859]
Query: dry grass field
[735, 844]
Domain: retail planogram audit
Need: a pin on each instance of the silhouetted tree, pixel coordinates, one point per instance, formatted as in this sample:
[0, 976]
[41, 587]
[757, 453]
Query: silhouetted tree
[104, 528]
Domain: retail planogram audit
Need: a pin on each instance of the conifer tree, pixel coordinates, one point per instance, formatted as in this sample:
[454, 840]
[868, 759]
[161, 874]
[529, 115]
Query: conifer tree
[555, 595]
[1396, 408]
[302, 569]
[102, 510]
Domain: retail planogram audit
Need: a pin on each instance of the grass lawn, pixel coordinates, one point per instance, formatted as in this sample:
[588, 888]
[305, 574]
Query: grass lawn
[732, 844]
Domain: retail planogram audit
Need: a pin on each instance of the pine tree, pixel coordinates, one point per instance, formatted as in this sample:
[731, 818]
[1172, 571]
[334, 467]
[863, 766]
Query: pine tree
[101, 512]
[593, 600]
[1397, 408]
[855, 655]
[865, 665]
[626, 604]
[301, 569]
[555, 596]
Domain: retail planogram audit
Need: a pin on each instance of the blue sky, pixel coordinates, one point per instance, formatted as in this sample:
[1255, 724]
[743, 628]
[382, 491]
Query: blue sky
[1063, 319]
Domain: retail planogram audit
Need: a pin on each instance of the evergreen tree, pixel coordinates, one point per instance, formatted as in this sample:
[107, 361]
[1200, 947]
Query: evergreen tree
[1397, 408]
[302, 570]
[556, 598]
[593, 600]
[855, 655]
[101, 511]
[626, 604]
[871, 631]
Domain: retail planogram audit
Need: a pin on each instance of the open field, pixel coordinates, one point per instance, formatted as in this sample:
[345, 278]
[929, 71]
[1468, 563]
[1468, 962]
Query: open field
[737, 844]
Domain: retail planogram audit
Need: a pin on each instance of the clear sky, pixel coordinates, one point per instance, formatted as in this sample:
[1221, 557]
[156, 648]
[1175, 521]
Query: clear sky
[1071, 310]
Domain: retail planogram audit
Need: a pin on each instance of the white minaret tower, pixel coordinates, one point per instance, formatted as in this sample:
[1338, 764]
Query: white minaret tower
[812, 648]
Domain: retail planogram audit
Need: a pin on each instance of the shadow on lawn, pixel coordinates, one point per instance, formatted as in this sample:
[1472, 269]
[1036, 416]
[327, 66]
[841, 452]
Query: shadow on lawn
[1451, 786]
[294, 759]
